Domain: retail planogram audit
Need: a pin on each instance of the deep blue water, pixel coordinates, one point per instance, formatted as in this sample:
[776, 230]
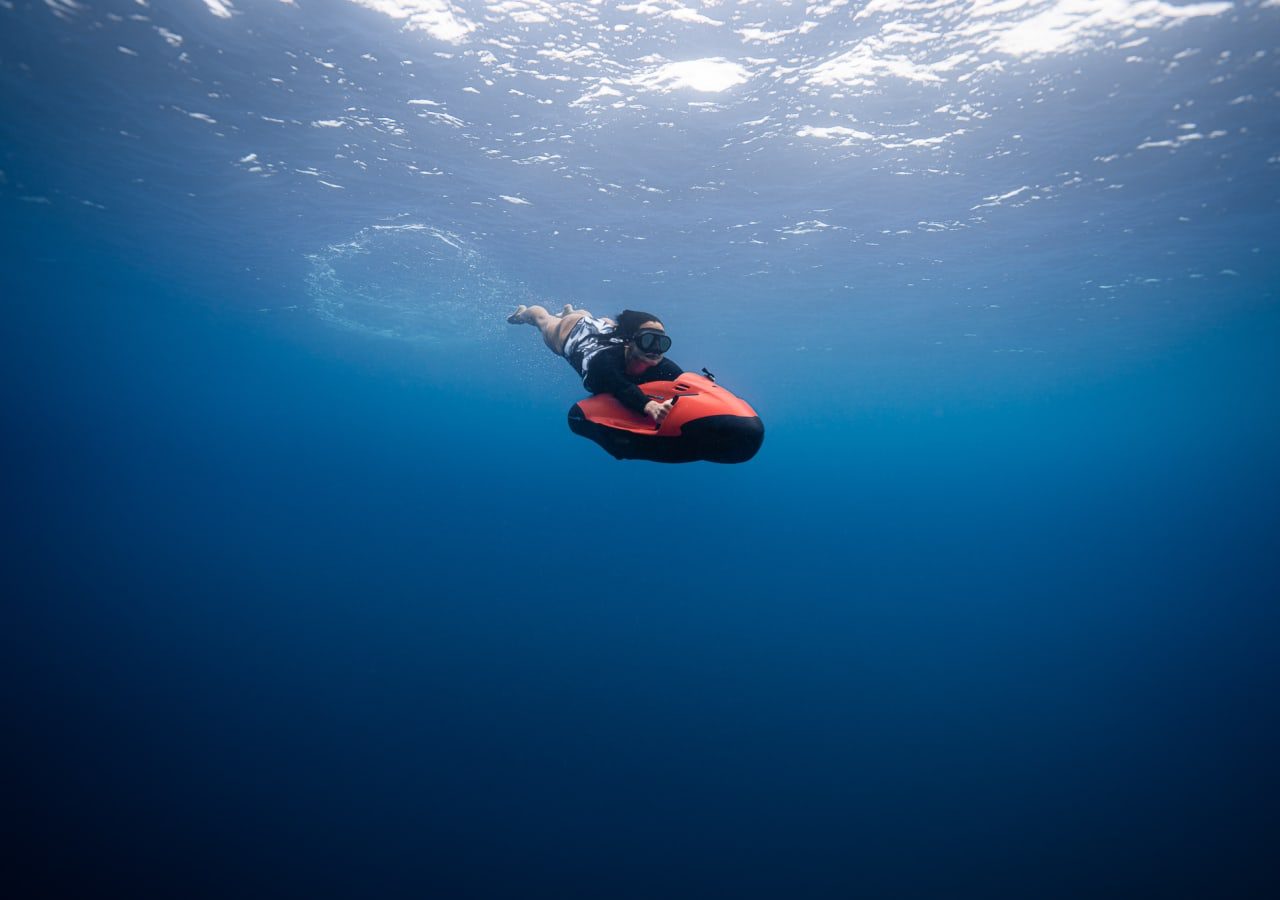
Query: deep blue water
[310, 590]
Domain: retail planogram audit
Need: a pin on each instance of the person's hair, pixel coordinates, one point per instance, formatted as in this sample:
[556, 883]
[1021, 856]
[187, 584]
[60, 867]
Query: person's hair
[630, 320]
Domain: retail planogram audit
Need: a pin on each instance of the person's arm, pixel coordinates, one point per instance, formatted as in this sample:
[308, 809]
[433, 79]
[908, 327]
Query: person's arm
[663, 371]
[666, 370]
[606, 375]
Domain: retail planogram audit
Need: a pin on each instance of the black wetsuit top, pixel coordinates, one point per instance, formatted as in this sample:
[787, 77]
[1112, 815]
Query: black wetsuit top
[607, 374]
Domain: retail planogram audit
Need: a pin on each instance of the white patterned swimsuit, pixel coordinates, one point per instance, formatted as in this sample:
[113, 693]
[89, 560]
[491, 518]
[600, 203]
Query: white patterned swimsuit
[588, 337]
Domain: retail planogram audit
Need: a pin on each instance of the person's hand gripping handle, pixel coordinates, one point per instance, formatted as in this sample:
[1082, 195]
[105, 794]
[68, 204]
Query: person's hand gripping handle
[658, 411]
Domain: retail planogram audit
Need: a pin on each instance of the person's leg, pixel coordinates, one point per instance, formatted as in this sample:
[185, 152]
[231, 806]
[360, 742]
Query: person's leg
[555, 329]
[531, 315]
[561, 334]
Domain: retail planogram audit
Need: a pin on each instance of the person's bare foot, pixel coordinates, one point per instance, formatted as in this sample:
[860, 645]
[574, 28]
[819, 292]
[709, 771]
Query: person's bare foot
[518, 317]
[568, 308]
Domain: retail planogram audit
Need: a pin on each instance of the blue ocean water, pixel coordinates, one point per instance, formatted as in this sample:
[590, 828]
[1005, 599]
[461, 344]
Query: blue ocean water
[310, 590]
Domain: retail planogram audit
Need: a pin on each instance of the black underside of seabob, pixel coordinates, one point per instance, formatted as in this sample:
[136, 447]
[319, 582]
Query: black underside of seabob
[721, 439]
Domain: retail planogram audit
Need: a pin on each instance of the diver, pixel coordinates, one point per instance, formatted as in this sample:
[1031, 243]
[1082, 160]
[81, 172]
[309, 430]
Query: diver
[612, 356]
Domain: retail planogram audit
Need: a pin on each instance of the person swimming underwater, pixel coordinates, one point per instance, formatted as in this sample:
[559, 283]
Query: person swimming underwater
[612, 356]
